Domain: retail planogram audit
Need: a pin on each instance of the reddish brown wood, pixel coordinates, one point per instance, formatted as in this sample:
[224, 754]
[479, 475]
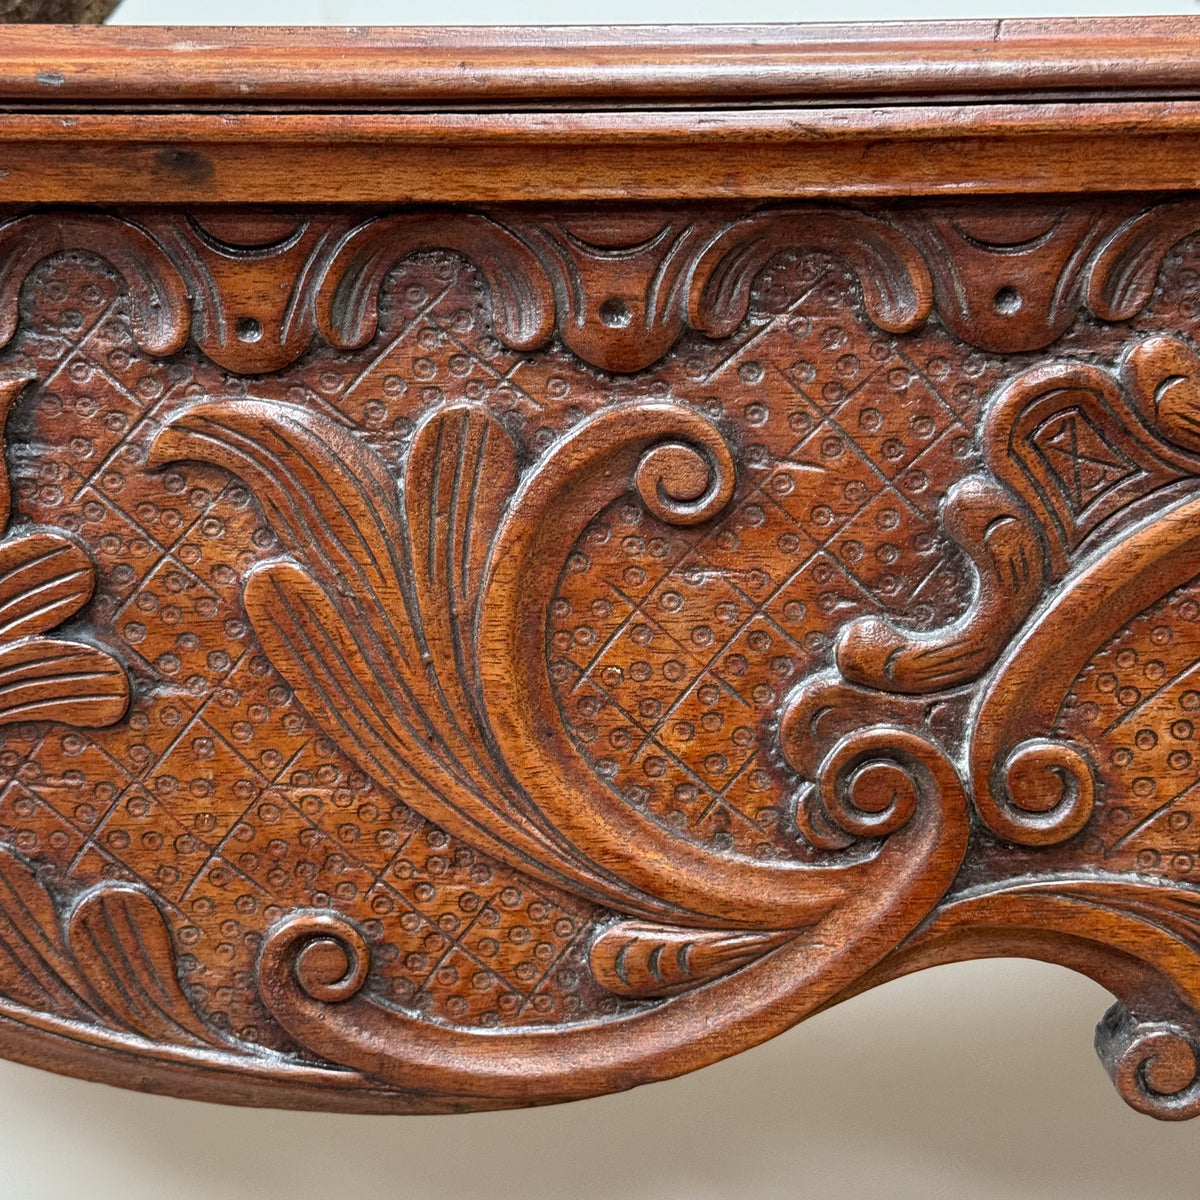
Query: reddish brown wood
[645, 113]
[607, 67]
[385, 158]
[460, 653]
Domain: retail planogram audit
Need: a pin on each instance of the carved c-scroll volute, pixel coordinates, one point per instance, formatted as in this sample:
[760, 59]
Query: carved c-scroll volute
[620, 280]
[552, 649]
[250, 276]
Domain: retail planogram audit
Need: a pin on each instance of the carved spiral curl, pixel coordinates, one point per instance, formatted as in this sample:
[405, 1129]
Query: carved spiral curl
[859, 911]
[327, 956]
[684, 484]
[1044, 794]
[1154, 1065]
[871, 782]
[684, 471]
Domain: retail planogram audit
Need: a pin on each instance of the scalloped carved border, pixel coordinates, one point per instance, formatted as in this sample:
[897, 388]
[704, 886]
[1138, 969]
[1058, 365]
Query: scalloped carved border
[722, 953]
[254, 289]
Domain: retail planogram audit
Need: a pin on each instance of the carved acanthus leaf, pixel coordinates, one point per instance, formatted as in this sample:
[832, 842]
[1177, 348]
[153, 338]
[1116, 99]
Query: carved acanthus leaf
[641, 960]
[110, 961]
[411, 618]
[45, 579]
[359, 624]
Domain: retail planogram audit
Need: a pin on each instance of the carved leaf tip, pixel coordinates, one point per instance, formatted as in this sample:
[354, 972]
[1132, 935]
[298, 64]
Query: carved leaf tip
[122, 944]
[45, 679]
[45, 579]
[1164, 375]
[641, 960]
[1125, 270]
[110, 962]
[37, 968]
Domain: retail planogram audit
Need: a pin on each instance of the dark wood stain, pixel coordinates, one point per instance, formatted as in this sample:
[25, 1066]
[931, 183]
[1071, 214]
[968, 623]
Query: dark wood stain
[530, 564]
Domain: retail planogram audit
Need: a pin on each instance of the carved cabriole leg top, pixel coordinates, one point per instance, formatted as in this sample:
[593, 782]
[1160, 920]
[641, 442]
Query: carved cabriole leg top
[467, 655]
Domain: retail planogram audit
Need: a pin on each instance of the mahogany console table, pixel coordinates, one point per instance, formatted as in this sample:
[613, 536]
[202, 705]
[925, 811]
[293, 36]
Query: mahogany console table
[536, 559]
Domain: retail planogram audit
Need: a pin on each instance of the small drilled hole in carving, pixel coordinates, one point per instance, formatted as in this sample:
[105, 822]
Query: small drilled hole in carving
[248, 330]
[614, 312]
[1007, 301]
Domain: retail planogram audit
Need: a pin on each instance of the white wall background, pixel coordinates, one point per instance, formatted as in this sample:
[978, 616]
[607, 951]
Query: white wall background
[971, 1082]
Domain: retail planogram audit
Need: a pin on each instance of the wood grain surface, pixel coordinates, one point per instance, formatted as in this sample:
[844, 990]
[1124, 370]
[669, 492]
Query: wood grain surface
[460, 653]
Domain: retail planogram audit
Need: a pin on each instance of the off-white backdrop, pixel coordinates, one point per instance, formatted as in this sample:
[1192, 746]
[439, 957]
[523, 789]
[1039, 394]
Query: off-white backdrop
[971, 1082]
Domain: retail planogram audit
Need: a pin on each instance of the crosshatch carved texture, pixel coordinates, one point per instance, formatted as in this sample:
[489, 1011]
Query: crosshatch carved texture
[460, 660]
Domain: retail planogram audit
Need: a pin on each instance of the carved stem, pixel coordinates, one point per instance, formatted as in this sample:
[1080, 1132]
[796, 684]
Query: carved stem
[315, 994]
[1023, 697]
[664, 449]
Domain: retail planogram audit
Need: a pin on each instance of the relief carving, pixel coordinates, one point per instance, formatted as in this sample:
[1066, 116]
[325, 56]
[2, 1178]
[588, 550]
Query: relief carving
[591, 642]
[253, 288]
[45, 579]
[105, 961]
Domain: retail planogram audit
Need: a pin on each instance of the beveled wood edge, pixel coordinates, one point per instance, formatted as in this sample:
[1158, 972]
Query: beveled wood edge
[166, 1072]
[161, 115]
[490, 115]
[394, 159]
[651, 65]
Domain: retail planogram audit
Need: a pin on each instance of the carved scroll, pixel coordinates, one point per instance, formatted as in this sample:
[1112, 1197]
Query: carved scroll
[1134, 937]
[326, 1010]
[477, 635]
[589, 642]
